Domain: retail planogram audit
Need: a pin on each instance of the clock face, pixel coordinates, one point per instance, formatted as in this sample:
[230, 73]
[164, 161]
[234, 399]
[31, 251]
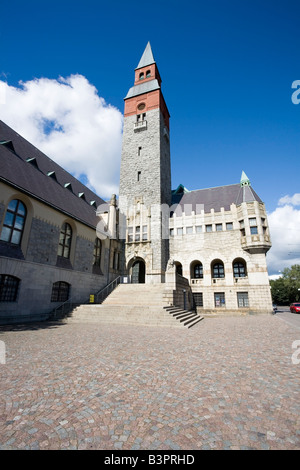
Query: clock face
[141, 106]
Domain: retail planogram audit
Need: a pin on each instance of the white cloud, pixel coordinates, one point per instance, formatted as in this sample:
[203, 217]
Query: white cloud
[293, 200]
[284, 223]
[68, 121]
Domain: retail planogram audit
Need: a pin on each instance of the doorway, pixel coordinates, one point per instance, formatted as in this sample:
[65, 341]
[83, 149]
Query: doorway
[138, 272]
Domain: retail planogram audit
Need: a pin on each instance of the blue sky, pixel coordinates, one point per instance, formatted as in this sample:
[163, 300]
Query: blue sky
[227, 69]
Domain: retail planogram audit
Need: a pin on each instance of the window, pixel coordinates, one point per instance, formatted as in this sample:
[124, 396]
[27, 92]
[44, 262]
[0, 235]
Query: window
[208, 228]
[148, 74]
[229, 226]
[218, 270]
[97, 253]
[219, 227]
[171, 232]
[198, 228]
[239, 269]
[198, 271]
[137, 234]
[60, 291]
[180, 231]
[116, 260]
[242, 224]
[219, 299]
[178, 267]
[141, 76]
[14, 222]
[242, 299]
[145, 233]
[253, 226]
[130, 234]
[139, 175]
[9, 286]
[189, 230]
[65, 239]
[198, 299]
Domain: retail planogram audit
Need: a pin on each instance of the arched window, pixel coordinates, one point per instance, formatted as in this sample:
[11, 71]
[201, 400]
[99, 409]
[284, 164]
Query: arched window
[218, 269]
[178, 267]
[60, 291]
[14, 222]
[65, 239]
[148, 74]
[197, 270]
[239, 268]
[9, 286]
[141, 76]
[97, 252]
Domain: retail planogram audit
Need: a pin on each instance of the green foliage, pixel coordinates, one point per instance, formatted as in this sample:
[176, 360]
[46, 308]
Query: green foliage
[285, 289]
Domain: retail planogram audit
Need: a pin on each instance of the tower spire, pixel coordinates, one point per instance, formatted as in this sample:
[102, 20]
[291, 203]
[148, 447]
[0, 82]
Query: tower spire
[147, 57]
[244, 180]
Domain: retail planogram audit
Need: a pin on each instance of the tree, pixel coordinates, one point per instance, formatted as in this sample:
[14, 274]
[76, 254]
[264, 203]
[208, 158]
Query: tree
[285, 289]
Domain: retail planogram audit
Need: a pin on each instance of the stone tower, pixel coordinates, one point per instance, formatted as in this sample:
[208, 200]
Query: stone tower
[145, 178]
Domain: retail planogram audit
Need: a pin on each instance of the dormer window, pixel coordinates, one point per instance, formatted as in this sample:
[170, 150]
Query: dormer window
[142, 76]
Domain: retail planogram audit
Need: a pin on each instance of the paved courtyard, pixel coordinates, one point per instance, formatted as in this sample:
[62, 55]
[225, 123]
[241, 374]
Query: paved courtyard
[227, 383]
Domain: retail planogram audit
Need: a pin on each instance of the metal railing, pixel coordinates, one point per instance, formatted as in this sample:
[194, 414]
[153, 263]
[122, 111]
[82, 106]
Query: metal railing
[100, 296]
[68, 306]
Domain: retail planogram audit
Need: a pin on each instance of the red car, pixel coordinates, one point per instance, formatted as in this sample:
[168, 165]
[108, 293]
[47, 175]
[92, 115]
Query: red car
[295, 308]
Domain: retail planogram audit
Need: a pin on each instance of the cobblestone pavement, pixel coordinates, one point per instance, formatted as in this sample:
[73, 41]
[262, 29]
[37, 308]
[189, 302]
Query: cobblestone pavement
[227, 383]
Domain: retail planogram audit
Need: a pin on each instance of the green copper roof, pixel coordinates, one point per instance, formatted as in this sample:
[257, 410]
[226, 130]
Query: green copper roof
[244, 180]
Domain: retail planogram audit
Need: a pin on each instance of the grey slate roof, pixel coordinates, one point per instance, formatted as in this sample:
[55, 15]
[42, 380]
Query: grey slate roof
[141, 88]
[31, 177]
[147, 57]
[213, 198]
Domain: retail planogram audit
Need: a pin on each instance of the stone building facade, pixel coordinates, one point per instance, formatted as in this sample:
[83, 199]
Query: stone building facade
[49, 249]
[216, 238]
[60, 242]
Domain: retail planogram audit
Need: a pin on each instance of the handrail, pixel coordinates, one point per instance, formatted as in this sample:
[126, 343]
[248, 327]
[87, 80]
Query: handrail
[67, 306]
[105, 291]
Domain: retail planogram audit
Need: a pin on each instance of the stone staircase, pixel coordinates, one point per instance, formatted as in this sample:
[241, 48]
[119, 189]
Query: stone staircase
[135, 304]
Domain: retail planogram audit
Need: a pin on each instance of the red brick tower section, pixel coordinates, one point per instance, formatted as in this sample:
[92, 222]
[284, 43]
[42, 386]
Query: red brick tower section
[147, 101]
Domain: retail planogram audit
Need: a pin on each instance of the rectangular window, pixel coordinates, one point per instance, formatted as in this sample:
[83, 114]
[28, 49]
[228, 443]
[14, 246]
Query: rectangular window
[229, 226]
[253, 230]
[208, 228]
[219, 227]
[145, 232]
[198, 299]
[180, 231]
[137, 234]
[242, 299]
[252, 221]
[171, 232]
[130, 234]
[219, 299]
[242, 224]
[243, 233]
[189, 230]
[198, 228]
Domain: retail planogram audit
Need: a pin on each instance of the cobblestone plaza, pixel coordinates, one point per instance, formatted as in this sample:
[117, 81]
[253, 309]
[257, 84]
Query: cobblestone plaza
[228, 383]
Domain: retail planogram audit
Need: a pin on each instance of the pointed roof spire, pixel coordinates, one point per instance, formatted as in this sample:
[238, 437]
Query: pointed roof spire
[147, 57]
[244, 180]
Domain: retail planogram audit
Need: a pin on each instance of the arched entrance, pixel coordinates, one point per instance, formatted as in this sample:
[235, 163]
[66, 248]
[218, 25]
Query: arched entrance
[138, 272]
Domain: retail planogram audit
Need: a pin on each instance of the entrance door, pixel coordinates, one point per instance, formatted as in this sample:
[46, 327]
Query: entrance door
[138, 272]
